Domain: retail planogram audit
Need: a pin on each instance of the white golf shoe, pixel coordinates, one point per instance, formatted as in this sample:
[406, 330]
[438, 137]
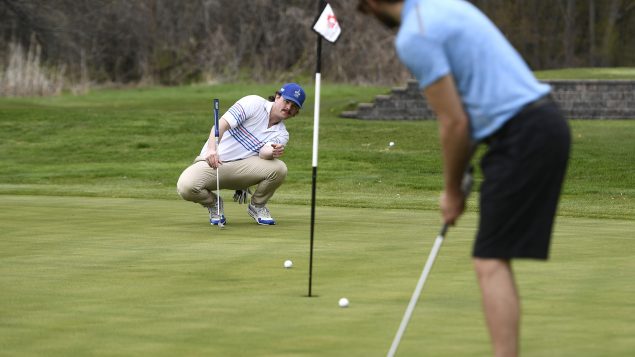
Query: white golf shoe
[214, 217]
[260, 214]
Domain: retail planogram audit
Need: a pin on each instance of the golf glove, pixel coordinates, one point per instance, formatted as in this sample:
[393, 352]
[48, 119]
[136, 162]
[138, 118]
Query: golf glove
[241, 196]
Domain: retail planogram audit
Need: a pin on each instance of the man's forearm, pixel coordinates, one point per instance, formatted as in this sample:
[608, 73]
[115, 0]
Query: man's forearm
[223, 126]
[454, 130]
[455, 145]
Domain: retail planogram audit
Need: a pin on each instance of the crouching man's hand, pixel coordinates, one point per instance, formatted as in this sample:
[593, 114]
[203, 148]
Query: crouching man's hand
[270, 151]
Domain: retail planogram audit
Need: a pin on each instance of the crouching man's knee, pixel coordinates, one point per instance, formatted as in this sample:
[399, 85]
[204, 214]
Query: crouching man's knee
[183, 190]
[279, 171]
[187, 189]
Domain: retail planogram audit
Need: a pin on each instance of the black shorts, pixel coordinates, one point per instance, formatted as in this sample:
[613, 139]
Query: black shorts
[523, 171]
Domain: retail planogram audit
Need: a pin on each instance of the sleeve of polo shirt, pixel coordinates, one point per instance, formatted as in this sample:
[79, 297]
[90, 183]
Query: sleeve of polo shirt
[242, 110]
[424, 58]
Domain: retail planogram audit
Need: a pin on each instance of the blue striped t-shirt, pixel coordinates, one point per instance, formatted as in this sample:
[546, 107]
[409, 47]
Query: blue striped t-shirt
[248, 119]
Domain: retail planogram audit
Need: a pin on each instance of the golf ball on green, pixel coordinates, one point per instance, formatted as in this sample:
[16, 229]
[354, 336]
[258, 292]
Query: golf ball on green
[343, 302]
[392, 143]
[288, 264]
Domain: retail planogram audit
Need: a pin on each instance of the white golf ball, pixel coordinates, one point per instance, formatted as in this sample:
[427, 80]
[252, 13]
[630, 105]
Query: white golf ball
[392, 143]
[288, 264]
[343, 302]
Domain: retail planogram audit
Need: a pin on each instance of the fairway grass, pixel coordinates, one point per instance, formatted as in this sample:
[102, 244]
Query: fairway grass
[118, 276]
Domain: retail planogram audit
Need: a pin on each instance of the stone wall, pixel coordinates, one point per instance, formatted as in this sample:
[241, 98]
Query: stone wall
[579, 99]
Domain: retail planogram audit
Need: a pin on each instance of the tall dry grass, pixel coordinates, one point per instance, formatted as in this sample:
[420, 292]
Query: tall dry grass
[25, 75]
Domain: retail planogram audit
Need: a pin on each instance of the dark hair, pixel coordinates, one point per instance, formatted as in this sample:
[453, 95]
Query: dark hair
[272, 98]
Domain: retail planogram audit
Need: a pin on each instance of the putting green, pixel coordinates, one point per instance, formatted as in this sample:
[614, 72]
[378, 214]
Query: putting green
[99, 276]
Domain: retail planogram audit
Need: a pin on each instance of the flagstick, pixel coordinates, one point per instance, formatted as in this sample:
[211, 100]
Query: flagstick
[316, 130]
[316, 125]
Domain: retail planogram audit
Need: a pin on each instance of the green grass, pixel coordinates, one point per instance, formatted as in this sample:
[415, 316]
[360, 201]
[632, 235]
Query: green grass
[612, 73]
[135, 143]
[99, 256]
[104, 277]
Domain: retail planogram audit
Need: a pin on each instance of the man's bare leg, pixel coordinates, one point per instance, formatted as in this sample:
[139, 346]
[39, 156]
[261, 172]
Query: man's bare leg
[500, 304]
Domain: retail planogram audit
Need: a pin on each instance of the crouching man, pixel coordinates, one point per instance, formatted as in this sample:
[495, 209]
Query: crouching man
[252, 138]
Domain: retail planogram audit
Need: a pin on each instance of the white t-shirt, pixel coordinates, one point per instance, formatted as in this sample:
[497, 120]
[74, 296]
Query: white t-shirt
[248, 119]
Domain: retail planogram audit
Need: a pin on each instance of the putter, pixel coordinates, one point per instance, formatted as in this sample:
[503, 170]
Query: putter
[466, 186]
[216, 108]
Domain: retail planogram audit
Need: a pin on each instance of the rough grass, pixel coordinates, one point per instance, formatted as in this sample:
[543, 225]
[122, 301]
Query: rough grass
[610, 73]
[135, 143]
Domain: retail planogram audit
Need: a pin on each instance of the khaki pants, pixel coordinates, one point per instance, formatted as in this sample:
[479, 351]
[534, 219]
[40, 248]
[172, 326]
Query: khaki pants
[198, 182]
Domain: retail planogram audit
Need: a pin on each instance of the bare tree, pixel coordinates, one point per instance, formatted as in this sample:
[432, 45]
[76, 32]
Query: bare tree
[591, 23]
[569, 35]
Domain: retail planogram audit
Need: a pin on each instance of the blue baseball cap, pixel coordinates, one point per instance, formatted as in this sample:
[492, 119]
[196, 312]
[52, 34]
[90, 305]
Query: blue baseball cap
[294, 93]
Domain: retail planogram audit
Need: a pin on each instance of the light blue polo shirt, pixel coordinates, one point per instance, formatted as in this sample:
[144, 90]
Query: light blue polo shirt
[440, 37]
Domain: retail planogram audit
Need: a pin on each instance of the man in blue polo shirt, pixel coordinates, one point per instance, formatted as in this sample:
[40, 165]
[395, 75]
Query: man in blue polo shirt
[482, 91]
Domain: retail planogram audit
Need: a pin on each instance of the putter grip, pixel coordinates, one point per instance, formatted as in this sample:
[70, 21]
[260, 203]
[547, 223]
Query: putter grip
[466, 187]
[216, 108]
[466, 183]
